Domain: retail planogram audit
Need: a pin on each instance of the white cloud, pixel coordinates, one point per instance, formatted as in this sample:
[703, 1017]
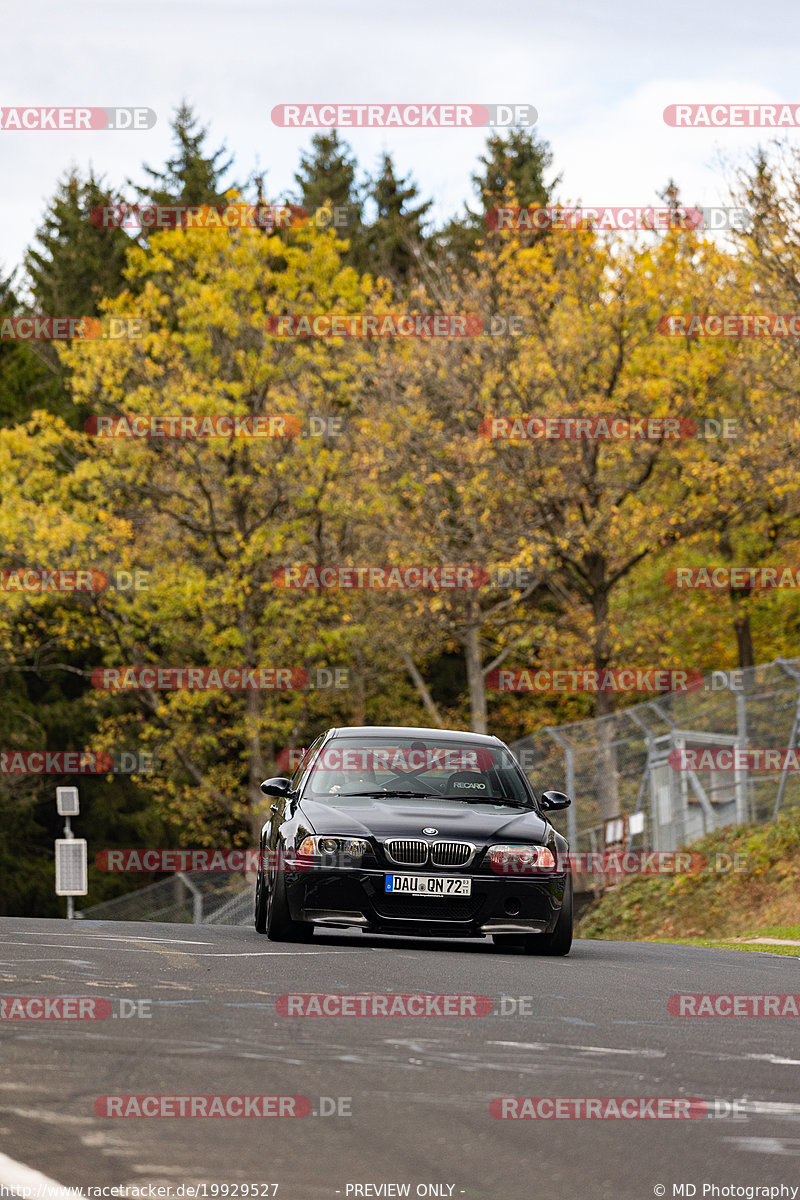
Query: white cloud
[600, 79]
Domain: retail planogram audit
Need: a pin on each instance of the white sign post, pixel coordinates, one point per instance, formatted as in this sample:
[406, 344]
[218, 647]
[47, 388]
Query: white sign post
[71, 852]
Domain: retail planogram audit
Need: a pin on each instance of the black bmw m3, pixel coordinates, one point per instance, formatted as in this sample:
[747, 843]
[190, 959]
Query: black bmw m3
[419, 832]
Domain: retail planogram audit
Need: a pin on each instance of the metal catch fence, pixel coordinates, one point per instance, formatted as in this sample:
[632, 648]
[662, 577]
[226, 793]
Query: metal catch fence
[630, 773]
[190, 897]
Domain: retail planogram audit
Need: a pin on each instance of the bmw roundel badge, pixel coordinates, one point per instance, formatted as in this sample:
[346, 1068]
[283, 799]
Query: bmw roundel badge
[430, 830]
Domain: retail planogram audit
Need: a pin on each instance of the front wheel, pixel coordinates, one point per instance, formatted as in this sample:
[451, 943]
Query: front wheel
[260, 921]
[559, 941]
[279, 924]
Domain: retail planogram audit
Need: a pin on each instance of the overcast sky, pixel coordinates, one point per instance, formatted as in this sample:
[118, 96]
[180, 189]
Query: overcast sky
[599, 75]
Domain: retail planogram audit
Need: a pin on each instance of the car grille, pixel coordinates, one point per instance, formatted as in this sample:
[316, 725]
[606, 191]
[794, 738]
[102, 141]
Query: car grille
[409, 851]
[446, 909]
[451, 854]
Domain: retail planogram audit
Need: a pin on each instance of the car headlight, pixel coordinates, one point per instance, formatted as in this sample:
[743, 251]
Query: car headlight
[520, 860]
[345, 851]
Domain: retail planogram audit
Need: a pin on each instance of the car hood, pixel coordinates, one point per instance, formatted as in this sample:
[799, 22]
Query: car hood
[406, 818]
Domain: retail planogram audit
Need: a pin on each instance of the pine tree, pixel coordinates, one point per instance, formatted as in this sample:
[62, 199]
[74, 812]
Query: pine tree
[516, 161]
[26, 383]
[191, 176]
[393, 241]
[74, 263]
[327, 175]
[519, 158]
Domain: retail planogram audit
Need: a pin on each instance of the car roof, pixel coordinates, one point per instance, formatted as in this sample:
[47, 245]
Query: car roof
[456, 735]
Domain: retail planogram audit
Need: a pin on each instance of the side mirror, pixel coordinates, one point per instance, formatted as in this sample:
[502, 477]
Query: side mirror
[279, 786]
[551, 801]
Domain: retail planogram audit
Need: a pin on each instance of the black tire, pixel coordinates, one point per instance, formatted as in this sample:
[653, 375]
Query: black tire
[279, 925]
[261, 905]
[559, 941]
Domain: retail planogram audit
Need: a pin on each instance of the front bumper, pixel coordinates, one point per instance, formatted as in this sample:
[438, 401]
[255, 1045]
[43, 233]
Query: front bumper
[343, 897]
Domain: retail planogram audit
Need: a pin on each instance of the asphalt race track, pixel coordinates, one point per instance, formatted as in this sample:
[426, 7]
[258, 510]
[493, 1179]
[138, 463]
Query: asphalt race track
[418, 1089]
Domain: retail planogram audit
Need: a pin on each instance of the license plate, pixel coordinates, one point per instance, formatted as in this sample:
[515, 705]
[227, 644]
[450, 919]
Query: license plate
[428, 885]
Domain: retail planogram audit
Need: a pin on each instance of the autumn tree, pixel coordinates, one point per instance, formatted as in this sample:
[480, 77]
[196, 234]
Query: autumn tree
[214, 519]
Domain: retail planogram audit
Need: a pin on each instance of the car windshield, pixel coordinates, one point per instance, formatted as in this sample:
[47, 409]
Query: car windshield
[430, 767]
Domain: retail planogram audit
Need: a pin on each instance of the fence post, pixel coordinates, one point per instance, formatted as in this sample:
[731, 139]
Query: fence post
[740, 777]
[792, 737]
[197, 897]
[572, 816]
[569, 783]
[645, 780]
